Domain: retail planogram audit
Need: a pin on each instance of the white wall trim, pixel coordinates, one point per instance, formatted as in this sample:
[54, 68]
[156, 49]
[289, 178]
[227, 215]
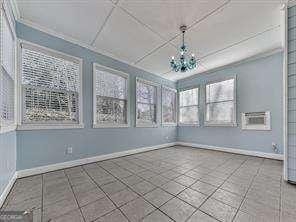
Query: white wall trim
[58, 166]
[7, 189]
[234, 150]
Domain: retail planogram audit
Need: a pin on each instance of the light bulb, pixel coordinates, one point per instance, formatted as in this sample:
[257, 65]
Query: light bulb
[173, 57]
[192, 55]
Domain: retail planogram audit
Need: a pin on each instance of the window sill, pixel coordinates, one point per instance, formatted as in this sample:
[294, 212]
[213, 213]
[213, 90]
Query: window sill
[139, 125]
[47, 126]
[220, 124]
[189, 124]
[97, 126]
[7, 128]
[168, 124]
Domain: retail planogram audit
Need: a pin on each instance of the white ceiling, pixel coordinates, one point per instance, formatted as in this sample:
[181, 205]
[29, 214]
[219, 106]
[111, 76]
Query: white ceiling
[145, 33]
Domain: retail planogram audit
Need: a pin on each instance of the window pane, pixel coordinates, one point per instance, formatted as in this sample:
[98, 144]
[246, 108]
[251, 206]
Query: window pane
[220, 91]
[189, 115]
[222, 112]
[146, 93]
[48, 106]
[111, 110]
[43, 70]
[110, 85]
[8, 47]
[146, 114]
[168, 106]
[189, 97]
[7, 97]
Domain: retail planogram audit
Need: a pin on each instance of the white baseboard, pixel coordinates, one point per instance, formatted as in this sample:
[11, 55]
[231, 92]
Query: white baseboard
[7, 189]
[234, 150]
[58, 166]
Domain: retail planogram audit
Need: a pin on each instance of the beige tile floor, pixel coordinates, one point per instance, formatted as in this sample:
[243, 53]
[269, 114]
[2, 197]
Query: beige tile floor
[172, 184]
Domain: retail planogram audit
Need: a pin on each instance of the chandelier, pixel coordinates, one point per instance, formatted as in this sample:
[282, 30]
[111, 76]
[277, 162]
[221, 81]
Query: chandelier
[183, 64]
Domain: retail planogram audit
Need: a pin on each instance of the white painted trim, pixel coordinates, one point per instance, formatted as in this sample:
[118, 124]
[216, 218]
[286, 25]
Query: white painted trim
[285, 95]
[55, 53]
[58, 166]
[234, 150]
[124, 75]
[7, 189]
[8, 128]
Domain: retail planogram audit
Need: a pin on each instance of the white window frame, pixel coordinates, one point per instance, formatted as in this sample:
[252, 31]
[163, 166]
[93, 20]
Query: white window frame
[176, 105]
[6, 12]
[55, 53]
[96, 66]
[223, 124]
[198, 107]
[156, 103]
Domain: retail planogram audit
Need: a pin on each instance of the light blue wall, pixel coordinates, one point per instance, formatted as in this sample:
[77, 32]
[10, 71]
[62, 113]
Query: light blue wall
[259, 88]
[291, 94]
[7, 158]
[42, 147]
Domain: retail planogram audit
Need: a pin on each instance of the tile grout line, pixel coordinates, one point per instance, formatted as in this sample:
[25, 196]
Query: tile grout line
[245, 196]
[106, 196]
[74, 196]
[216, 190]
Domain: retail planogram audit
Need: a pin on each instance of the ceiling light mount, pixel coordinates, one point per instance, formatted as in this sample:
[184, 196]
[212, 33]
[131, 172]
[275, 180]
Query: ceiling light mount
[184, 64]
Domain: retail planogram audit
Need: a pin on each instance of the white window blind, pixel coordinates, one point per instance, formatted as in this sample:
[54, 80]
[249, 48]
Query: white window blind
[146, 94]
[220, 102]
[111, 99]
[168, 105]
[50, 87]
[7, 74]
[188, 106]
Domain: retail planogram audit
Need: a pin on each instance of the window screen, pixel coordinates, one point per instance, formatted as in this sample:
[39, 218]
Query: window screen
[110, 98]
[220, 105]
[168, 105]
[146, 103]
[188, 106]
[50, 87]
[7, 72]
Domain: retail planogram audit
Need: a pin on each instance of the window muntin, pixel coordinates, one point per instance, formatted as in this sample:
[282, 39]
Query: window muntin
[146, 103]
[168, 105]
[188, 106]
[51, 87]
[7, 72]
[111, 98]
[220, 102]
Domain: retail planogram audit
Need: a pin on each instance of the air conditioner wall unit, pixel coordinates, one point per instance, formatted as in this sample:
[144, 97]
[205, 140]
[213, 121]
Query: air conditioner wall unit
[256, 121]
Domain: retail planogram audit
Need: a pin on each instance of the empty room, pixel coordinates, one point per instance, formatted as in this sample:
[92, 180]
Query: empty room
[148, 111]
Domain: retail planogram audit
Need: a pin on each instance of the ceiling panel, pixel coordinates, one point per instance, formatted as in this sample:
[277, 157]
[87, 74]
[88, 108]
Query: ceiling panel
[165, 17]
[237, 21]
[126, 38]
[158, 62]
[267, 41]
[77, 19]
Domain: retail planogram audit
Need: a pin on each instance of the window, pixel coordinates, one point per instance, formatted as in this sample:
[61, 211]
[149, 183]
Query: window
[110, 98]
[168, 105]
[7, 73]
[220, 103]
[188, 107]
[51, 88]
[146, 100]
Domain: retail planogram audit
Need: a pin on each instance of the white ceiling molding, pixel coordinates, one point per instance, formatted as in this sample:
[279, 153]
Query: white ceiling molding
[145, 34]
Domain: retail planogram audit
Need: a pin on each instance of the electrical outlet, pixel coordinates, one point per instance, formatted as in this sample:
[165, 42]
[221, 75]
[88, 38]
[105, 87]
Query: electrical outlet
[274, 146]
[69, 150]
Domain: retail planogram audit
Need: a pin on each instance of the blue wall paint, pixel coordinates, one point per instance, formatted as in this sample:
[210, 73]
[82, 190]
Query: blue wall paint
[42, 147]
[8, 158]
[259, 88]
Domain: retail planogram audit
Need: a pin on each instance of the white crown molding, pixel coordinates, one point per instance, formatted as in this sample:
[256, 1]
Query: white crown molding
[234, 150]
[7, 189]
